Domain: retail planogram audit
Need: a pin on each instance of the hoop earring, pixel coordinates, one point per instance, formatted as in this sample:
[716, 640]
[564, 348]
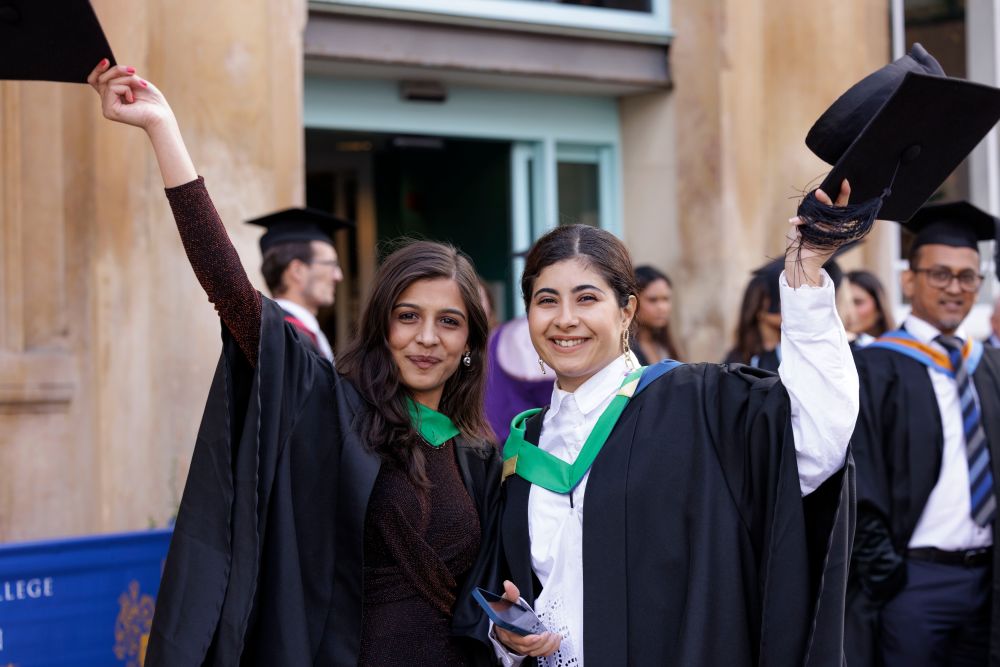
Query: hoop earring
[541, 365]
[627, 351]
[467, 359]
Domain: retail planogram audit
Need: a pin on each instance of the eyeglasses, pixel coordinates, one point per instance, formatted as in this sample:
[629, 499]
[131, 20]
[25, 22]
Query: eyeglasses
[939, 277]
[333, 263]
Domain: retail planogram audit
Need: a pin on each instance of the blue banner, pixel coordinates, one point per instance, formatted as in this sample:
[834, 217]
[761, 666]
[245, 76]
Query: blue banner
[85, 602]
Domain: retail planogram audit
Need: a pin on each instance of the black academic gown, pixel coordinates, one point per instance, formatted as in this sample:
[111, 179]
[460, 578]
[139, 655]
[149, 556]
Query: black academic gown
[698, 549]
[768, 360]
[265, 564]
[898, 445]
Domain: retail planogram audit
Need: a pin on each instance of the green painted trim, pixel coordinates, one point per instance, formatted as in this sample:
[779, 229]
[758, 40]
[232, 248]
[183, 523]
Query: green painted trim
[375, 106]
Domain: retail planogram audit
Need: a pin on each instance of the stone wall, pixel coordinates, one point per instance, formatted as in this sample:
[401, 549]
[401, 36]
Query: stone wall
[107, 343]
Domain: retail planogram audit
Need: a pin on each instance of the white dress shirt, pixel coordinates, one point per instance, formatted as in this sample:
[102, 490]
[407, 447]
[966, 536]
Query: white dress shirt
[946, 522]
[817, 370]
[311, 323]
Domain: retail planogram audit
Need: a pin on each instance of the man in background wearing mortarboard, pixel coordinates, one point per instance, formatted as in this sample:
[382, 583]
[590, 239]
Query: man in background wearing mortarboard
[301, 268]
[922, 569]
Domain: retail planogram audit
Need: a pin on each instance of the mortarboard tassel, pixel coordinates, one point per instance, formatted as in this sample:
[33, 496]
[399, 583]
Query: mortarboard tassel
[827, 226]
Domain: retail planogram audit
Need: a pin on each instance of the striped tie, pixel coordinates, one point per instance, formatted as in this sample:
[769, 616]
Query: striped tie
[984, 503]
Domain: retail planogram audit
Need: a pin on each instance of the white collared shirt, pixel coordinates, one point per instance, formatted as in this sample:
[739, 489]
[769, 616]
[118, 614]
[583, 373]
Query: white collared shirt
[817, 370]
[946, 522]
[311, 323]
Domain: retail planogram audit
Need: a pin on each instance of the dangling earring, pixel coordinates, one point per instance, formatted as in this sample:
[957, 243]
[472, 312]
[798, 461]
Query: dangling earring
[627, 351]
[467, 359]
[541, 365]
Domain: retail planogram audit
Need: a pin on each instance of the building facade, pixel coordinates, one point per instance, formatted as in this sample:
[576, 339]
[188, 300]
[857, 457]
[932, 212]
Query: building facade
[677, 124]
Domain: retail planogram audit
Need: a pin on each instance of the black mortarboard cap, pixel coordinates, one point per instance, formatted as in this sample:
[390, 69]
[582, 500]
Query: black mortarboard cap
[298, 224]
[958, 224]
[50, 40]
[898, 134]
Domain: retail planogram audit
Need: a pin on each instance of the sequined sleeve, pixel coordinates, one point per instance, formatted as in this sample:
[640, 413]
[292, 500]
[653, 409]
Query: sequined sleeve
[217, 264]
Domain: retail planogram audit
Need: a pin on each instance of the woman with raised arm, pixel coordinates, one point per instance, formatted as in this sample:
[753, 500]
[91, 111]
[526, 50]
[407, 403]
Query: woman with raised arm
[692, 515]
[328, 518]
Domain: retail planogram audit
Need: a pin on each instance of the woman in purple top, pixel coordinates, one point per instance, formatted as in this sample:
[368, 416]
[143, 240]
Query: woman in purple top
[516, 379]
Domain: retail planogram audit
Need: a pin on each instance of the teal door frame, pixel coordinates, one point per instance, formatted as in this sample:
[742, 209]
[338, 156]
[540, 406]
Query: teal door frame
[543, 129]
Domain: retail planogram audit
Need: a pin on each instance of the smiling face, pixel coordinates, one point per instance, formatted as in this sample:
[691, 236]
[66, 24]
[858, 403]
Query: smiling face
[428, 335]
[575, 321]
[945, 308]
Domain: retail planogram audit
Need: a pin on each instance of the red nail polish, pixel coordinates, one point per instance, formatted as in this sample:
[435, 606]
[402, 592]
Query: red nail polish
[103, 63]
[145, 84]
[130, 70]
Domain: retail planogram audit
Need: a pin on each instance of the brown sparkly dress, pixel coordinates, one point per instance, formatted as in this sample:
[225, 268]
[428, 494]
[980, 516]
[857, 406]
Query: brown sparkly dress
[417, 545]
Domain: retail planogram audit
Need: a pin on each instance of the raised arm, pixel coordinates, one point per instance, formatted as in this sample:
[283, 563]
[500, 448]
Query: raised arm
[127, 98]
[817, 367]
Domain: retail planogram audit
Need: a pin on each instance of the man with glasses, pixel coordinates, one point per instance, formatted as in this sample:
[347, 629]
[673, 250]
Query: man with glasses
[301, 267]
[922, 568]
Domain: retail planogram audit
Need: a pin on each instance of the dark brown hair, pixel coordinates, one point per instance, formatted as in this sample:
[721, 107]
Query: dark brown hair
[756, 299]
[278, 257]
[867, 281]
[645, 276]
[368, 363]
[600, 249]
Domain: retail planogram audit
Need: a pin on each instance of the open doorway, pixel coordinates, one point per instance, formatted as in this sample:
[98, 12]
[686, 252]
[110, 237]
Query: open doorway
[442, 189]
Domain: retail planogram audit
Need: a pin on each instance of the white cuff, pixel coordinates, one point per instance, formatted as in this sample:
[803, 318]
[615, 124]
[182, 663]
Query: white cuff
[506, 657]
[806, 310]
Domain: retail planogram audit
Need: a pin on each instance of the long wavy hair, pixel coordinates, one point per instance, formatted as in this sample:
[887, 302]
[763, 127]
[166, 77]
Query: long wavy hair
[755, 301]
[867, 281]
[368, 362]
[645, 276]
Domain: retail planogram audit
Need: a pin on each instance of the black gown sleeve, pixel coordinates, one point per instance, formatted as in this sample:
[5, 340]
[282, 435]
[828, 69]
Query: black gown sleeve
[877, 567]
[234, 509]
[802, 545]
[216, 263]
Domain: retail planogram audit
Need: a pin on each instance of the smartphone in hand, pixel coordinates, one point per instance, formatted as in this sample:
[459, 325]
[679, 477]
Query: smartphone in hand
[512, 616]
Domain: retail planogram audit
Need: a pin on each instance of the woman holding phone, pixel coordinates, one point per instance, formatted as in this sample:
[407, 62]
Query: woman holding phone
[330, 517]
[677, 514]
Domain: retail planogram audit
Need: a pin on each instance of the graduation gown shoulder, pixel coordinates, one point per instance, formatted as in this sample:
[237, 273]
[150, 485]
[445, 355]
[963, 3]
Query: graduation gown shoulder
[898, 444]
[698, 548]
[265, 564]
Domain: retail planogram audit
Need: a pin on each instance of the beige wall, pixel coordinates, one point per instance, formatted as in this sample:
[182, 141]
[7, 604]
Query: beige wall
[107, 343]
[750, 78]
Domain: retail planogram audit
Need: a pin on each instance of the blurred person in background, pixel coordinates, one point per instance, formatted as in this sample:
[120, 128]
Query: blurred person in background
[872, 316]
[758, 330]
[516, 378]
[301, 267]
[653, 340]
